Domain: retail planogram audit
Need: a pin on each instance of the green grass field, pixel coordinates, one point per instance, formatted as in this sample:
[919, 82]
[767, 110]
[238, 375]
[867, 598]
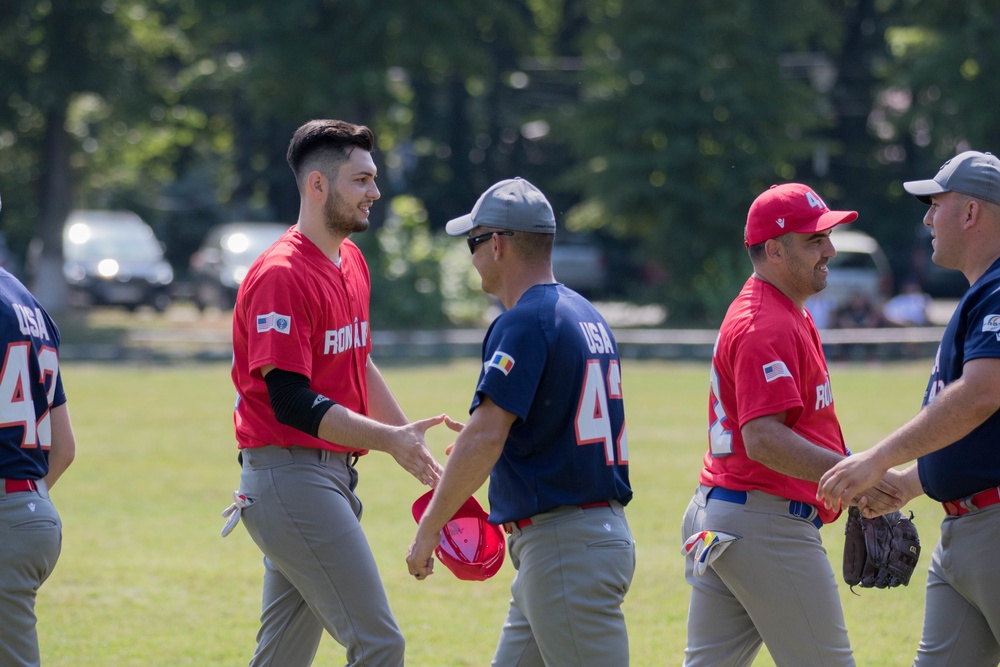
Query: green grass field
[145, 580]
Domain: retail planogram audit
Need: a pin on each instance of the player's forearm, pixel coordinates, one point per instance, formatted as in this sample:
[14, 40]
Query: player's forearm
[382, 404]
[475, 453]
[909, 483]
[63, 449]
[778, 447]
[350, 429]
[955, 412]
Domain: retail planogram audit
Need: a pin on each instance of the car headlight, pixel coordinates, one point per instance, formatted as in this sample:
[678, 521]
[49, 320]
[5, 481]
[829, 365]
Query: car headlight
[107, 268]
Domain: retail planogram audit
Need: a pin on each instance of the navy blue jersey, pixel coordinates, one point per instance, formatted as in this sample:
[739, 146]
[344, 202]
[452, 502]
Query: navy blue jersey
[30, 385]
[552, 361]
[972, 464]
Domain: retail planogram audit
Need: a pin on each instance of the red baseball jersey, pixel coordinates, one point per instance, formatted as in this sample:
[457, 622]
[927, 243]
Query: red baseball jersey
[768, 358]
[298, 311]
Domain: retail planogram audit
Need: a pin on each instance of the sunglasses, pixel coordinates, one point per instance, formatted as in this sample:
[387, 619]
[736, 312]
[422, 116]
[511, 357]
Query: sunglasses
[475, 241]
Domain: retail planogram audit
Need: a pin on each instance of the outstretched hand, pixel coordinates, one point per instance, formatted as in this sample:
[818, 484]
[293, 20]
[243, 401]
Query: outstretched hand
[412, 454]
[455, 426]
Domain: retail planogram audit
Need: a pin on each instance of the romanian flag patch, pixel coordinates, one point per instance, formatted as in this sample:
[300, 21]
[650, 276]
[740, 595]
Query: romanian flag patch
[501, 361]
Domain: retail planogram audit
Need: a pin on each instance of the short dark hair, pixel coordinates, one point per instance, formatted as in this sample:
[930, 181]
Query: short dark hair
[325, 144]
[530, 246]
[757, 251]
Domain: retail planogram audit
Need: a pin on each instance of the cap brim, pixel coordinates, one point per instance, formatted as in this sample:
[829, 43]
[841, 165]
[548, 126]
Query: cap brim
[923, 190]
[469, 509]
[829, 220]
[460, 226]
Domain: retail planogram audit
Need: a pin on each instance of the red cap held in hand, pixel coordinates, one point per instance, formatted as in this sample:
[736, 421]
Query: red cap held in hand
[471, 547]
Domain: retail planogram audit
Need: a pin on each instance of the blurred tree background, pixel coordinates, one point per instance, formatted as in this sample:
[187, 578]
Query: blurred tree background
[651, 124]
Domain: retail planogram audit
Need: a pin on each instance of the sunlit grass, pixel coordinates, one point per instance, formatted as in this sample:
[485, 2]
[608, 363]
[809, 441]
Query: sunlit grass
[145, 579]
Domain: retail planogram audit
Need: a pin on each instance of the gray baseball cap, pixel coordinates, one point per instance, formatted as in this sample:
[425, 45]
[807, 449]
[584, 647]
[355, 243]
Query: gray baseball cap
[970, 173]
[513, 204]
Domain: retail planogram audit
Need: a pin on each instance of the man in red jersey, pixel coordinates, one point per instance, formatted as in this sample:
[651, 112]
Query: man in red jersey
[310, 403]
[757, 567]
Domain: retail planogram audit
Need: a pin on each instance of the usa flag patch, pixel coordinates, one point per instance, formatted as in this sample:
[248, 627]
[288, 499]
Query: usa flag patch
[275, 321]
[775, 370]
[501, 361]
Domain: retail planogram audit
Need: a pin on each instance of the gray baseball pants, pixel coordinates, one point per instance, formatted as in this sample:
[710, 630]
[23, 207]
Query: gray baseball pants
[962, 609]
[574, 567]
[319, 572]
[774, 585]
[30, 543]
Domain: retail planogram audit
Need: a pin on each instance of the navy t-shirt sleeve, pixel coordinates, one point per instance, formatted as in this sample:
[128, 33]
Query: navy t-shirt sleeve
[513, 360]
[982, 337]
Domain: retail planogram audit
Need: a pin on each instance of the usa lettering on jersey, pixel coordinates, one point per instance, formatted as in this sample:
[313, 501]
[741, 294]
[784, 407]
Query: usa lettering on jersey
[346, 337]
[31, 322]
[597, 338]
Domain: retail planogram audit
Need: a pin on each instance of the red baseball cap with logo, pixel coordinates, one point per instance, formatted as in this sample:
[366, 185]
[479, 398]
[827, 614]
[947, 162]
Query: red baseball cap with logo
[790, 207]
[471, 547]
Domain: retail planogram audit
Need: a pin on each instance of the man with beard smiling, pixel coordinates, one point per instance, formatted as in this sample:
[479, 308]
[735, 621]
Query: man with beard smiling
[757, 567]
[310, 403]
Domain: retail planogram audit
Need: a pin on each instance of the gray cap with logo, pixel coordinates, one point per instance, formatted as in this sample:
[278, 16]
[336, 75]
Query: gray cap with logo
[513, 204]
[970, 173]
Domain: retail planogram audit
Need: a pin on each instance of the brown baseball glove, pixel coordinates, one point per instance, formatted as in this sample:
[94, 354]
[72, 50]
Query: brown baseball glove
[880, 552]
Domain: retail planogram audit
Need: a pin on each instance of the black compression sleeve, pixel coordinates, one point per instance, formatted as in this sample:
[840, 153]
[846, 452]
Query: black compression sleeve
[294, 403]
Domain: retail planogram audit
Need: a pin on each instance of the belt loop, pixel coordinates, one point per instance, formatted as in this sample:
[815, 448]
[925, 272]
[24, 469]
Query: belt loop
[808, 512]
